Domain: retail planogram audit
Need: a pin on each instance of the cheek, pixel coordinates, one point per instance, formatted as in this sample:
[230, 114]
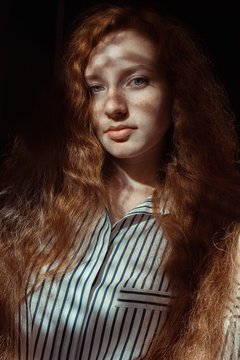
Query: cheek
[153, 101]
[153, 110]
[162, 109]
[95, 117]
[97, 129]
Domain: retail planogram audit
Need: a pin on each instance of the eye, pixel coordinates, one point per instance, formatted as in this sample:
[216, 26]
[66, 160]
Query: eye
[96, 88]
[139, 81]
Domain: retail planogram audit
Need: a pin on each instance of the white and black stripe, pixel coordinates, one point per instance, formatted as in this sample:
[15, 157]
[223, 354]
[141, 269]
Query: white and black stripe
[231, 345]
[110, 305]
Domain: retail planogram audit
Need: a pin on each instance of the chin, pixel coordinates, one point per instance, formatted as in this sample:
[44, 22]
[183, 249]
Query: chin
[120, 156]
[123, 155]
[123, 151]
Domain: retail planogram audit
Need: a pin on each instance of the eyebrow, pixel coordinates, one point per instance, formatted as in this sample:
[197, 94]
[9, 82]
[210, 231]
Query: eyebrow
[124, 71]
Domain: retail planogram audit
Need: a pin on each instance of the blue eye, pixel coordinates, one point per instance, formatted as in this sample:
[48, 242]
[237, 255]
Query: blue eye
[139, 81]
[96, 88]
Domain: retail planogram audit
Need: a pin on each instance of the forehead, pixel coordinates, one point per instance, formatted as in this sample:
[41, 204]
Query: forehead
[123, 47]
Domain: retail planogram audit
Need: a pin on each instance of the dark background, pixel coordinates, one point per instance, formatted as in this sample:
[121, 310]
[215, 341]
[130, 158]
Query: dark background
[33, 33]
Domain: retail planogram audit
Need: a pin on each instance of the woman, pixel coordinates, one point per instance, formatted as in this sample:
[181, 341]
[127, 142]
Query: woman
[120, 219]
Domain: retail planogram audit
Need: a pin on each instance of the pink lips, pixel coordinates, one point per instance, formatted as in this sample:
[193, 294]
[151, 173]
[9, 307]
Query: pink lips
[120, 132]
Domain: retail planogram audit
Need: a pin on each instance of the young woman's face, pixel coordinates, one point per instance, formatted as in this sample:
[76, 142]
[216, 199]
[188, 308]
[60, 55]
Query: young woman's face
[131, 101]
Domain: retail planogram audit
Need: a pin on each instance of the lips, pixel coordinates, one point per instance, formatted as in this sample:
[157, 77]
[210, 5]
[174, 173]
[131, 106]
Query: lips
[120, 132]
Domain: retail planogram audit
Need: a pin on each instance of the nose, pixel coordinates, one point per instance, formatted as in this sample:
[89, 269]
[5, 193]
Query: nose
[116, 105]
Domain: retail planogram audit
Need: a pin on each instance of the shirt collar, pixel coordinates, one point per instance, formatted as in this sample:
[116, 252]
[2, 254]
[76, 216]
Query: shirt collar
[145, 207]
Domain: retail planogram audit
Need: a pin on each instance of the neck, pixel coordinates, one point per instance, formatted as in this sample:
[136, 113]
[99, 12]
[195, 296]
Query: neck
[135, 173]
[129, 182]
[134, 176]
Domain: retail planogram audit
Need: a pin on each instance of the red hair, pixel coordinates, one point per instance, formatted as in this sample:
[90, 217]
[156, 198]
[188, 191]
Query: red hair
[49, 188]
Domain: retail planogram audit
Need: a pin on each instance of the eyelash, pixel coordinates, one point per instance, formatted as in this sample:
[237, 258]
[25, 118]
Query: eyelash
[143, 82]
[95, 86]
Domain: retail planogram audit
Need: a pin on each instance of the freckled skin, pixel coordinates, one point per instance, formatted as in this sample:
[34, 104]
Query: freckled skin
[129, 89]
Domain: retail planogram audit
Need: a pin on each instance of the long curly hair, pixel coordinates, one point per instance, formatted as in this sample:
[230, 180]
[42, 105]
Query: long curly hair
[54, 177]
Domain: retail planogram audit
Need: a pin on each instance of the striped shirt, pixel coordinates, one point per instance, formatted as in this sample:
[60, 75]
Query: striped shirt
[110, 305]
[231, 345]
